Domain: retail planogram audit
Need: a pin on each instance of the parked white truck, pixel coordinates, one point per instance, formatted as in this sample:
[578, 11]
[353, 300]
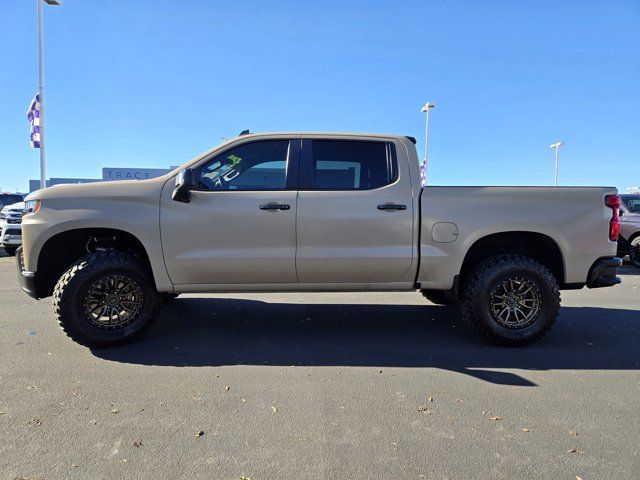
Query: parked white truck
[10, 232]
[313, 212]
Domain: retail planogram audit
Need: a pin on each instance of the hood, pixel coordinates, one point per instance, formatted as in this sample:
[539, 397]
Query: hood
[16, 207]
[119, 188]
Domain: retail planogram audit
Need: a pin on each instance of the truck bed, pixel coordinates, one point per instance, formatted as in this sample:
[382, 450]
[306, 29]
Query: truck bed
[453, 219]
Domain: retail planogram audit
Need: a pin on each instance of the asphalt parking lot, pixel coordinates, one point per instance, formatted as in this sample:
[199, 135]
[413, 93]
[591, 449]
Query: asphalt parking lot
[322, 386]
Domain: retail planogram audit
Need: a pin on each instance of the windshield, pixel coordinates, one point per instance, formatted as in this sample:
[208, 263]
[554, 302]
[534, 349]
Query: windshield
[632, 202]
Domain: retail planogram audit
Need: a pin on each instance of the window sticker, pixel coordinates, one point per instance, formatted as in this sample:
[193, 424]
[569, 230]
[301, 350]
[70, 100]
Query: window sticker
[221, 173]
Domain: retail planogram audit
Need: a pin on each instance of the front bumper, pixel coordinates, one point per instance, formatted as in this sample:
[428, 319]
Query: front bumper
[9, 235]
[12, 240]
[26, 280]
[603, 273]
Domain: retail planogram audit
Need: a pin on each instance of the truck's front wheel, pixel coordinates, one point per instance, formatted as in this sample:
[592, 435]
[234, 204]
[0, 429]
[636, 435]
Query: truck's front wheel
[104, 299]
[511, 299]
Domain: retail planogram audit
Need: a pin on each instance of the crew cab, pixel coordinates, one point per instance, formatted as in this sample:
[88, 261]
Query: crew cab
[323, 212]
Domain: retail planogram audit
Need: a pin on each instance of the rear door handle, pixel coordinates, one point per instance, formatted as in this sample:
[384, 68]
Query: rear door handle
[275, 206]
[391, 206]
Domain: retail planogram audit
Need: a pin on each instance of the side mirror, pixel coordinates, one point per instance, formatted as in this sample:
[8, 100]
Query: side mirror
[185, 182]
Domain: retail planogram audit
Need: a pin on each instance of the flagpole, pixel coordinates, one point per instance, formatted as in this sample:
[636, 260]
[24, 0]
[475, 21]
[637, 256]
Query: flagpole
[43, 165]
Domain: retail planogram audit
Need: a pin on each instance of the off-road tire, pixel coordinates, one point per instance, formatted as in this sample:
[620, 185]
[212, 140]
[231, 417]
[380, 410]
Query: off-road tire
[72, 288]
[10, 250]
[476, 299]
[439, 297]
[634, 252]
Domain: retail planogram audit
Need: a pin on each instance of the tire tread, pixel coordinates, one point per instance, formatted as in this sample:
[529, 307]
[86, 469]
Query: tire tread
[63, 294]
[497, 263]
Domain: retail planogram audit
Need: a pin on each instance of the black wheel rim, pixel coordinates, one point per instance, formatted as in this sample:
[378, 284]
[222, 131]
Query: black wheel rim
[113, 301]
[515, 303]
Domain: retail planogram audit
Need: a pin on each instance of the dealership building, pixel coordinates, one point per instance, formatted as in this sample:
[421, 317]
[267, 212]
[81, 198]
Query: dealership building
[108, 174]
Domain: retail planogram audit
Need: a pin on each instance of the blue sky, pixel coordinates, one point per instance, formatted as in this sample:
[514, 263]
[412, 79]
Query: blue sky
[153, 83]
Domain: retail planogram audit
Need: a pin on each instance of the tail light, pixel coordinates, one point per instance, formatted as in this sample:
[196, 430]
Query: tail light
[613, 202]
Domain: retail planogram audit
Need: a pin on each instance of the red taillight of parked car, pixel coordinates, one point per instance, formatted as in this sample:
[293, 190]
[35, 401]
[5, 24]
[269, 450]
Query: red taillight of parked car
[614, 202]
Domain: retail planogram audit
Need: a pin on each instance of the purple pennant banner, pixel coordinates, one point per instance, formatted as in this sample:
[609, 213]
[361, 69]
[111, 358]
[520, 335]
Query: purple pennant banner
[33, 115]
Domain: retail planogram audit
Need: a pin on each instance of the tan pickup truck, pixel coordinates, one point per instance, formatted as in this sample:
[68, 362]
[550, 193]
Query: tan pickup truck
[313, 212]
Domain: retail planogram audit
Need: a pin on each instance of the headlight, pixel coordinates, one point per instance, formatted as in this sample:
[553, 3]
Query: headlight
[31, 206]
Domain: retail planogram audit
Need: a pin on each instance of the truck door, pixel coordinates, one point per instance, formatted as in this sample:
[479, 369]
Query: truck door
[239, 226]
[355, 214]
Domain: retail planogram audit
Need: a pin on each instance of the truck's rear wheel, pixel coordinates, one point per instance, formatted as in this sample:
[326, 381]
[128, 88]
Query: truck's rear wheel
[11, 250]
[104, 299]
[511, 299]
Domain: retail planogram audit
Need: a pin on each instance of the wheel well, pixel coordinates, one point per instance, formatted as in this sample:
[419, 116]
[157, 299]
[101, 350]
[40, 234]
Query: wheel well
[535, 245]
[634, 236]
[624, 244]
[63, 249]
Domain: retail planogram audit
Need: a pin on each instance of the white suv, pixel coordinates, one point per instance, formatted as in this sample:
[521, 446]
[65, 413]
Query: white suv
[10, 228]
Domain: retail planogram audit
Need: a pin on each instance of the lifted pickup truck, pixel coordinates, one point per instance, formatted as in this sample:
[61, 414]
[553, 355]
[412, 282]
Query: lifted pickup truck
[313, 212]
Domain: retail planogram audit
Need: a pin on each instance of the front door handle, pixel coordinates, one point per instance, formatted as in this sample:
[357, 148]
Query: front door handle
[391, 206]
[275, 206]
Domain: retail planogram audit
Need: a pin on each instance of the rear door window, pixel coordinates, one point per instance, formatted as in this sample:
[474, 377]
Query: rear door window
[348, 165]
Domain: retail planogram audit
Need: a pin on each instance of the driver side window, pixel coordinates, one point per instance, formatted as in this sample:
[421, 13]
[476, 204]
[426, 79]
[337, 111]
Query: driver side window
[260, 165]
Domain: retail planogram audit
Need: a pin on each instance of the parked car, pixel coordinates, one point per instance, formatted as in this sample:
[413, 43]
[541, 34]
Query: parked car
[313, 212]
[629, 240]
[10, 231]
[10, 199]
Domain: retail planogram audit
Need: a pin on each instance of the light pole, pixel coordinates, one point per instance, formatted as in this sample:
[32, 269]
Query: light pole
[43, 164]
[423, 168]
[557, 146]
